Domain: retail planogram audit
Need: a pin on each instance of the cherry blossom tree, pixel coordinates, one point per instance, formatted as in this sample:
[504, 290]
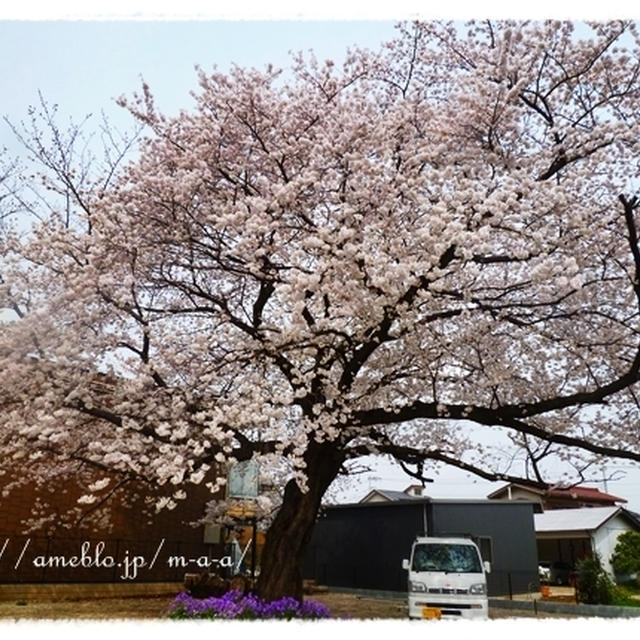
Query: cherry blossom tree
[311, 268]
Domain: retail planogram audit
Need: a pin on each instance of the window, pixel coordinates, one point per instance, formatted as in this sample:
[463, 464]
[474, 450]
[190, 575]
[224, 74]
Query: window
[486, 548]
[450, 558]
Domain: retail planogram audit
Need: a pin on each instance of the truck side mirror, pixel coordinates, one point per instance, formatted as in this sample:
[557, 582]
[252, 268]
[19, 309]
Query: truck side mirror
[487, 566]
[405, 564]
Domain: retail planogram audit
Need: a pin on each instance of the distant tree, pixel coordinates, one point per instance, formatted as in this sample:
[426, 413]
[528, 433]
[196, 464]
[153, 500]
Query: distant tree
[626, 555]
[339, 263]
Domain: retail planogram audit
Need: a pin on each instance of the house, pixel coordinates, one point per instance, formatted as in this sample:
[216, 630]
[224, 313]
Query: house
[362, 545]
[568, 535]
[387, 495]
[577, 497]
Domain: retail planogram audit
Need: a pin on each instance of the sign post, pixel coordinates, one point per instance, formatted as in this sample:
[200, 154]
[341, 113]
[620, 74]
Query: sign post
[243, 483]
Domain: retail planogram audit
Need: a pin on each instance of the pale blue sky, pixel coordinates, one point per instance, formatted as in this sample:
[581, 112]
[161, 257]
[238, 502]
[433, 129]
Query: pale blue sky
[84, 66]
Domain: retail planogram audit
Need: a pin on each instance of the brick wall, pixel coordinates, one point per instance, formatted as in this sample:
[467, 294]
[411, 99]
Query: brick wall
[134, 530]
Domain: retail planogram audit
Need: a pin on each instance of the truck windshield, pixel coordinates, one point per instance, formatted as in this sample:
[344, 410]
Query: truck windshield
[451, 558]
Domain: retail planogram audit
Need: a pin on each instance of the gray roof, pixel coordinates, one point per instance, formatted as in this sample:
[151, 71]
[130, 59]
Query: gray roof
[588, 519]
[635, 516]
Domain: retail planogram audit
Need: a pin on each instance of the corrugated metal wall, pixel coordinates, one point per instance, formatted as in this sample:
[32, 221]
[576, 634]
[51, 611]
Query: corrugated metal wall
[362, 546]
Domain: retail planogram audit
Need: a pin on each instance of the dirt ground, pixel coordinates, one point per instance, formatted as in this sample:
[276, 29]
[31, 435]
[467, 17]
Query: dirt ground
[360, 608]
[135, 608]
[155, 608]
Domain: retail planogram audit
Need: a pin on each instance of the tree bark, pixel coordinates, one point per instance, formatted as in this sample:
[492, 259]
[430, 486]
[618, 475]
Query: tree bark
[290, 533]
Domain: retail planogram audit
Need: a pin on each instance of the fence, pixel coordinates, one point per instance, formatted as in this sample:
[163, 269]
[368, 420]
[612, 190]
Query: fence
[512, 582]
[389, 576]
[36, 559]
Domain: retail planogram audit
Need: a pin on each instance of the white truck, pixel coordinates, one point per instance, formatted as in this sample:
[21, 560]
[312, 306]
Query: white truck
[447, 579]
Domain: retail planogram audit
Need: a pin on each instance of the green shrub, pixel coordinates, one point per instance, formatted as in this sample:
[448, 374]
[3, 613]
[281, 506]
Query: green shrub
[623, 597]
[593, 584]
[626, 555]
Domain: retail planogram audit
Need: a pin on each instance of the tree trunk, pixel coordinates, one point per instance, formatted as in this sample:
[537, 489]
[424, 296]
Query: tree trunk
[290, 532]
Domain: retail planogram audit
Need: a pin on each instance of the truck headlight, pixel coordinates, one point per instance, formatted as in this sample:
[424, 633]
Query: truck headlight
[477, 589]
[417, 586]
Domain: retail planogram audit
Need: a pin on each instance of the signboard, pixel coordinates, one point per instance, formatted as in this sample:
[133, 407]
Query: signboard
[243, 480]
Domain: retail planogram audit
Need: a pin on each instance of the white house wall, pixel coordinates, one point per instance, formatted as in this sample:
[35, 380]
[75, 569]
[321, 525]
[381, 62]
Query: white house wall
[605, 538]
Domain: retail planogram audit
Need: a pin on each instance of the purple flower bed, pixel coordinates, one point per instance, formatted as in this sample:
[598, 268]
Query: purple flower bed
[235, 606]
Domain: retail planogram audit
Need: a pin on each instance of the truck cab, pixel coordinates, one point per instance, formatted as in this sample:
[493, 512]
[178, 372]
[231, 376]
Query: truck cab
[447, 579]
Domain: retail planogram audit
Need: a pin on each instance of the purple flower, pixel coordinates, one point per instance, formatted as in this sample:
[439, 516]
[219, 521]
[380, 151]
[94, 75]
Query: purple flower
[233, 605]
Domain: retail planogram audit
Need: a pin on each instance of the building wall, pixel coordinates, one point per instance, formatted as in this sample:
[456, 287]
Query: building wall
[376, 497]
[519, 493]
[507, 528]
[605, 538]
[362, 546]
[132, 530]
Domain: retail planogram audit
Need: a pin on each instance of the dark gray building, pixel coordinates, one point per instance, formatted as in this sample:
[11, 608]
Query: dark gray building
[361, 546]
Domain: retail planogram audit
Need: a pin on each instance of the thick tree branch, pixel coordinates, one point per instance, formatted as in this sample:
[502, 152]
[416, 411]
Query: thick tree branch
[508, 416]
